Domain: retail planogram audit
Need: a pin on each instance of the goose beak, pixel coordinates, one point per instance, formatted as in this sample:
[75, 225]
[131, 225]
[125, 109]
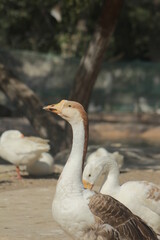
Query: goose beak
[55, 108]
[87, 184]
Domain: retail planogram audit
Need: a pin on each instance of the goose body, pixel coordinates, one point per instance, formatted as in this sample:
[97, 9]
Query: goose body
[141, 197]
[43, 166]
[82, 213]
[102, 152]
[20, 150]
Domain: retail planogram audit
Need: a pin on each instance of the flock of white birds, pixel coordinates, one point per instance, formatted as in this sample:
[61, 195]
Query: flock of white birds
[130, 211]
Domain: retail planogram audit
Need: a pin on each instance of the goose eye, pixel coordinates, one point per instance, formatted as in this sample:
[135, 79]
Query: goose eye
[69, 105]
[89, 175]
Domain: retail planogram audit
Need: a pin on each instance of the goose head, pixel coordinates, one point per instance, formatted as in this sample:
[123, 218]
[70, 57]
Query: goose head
[94, 167]
[98, 163]
[91, 173]
[71, 111]
[11, 134]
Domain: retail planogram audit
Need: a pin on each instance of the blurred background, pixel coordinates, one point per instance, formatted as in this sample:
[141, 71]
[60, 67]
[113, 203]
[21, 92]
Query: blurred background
[43, 45]
[104, 54]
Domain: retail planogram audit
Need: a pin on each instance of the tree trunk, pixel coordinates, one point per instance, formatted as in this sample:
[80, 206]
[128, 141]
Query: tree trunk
[90, 64]
[30, 106]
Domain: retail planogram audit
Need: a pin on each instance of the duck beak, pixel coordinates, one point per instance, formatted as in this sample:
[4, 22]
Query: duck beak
[55, 108]
[87, 184]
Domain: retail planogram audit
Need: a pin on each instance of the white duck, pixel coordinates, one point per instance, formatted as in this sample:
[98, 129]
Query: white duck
[82, 213]
[42, 167]
[141, 197]
[20, 150]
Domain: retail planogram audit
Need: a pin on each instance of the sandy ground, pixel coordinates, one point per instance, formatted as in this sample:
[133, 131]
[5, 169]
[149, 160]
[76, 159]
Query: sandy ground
[25, 205]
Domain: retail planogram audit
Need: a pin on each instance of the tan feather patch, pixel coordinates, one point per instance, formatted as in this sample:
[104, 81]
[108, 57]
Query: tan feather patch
[153, 191]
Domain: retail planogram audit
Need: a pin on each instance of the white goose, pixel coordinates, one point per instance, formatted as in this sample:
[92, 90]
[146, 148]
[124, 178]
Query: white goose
[42, 167]
[102, 152]
[141, 197]
[20, 150]
[82, 213]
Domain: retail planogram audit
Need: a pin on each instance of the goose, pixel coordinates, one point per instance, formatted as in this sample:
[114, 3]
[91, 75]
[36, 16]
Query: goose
[21, 150]
[82, 213]
[141, 197]
[102, 152]
[42, 167]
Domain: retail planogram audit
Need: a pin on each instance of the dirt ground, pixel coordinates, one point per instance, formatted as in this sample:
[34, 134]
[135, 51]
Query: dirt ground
[25, 205]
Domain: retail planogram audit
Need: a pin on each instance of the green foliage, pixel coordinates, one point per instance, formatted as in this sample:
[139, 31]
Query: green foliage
[136, 28]
[29, 25]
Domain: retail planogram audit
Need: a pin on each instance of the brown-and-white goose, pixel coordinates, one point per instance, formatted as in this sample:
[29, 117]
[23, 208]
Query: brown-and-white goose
[82, 213]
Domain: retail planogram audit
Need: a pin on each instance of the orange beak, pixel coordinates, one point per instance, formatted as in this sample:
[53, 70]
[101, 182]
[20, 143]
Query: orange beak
[55, 108]
[51, 108]
[87, 184]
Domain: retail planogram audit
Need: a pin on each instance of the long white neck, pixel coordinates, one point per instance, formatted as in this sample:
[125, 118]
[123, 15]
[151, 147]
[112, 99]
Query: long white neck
[112, 181]
[72, 172]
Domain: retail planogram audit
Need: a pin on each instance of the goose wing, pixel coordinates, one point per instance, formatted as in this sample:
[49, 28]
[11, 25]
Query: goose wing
[25, 146]
[112, 212]
[102, 231]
